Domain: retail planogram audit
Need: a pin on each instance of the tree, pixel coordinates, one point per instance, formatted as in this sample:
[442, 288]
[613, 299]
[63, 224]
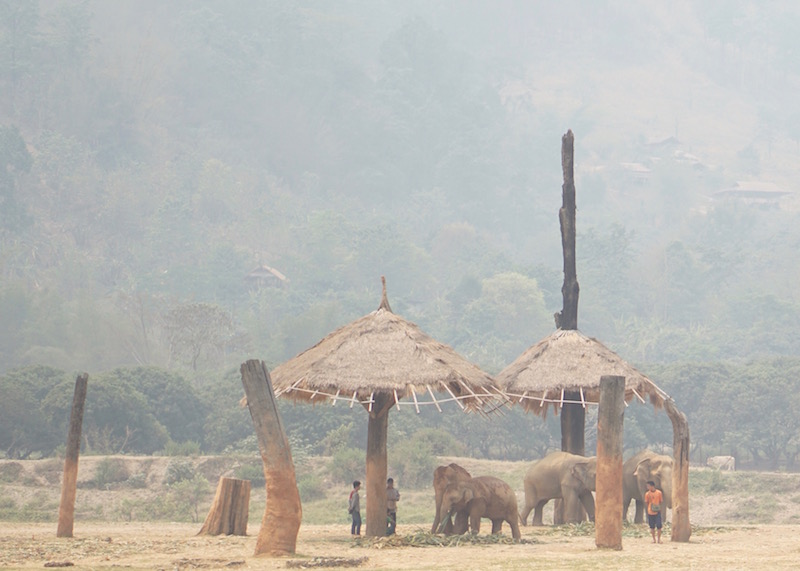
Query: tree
[196, 330]
[14, 159]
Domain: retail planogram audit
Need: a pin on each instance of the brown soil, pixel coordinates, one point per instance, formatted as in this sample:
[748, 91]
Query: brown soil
[174, 546]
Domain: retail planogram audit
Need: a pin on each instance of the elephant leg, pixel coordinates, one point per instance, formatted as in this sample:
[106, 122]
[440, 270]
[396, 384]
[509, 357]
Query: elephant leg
[626, 502]
[514, 523]
[538, 512]
[529, 505]
[639, 517]
[461, 524]
[588, 504]
[475, 522]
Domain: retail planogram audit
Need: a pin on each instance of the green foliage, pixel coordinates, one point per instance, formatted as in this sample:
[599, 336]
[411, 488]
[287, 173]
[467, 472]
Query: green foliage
[110, 471]
[188, 448]
[346, 465]
[253, 472]
[178, 470]
[412, 463]
[311, 488]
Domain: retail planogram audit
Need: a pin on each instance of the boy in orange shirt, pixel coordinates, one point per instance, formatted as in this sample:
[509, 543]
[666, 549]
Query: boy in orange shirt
[653, 498]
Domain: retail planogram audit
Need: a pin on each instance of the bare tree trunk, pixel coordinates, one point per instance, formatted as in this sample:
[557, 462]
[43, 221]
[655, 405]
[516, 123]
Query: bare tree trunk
[377, 465]
[66, 511]
[608, 505]
[283, 512]
[573, 415]
[568, 317]
[230, 509]
[681, 527]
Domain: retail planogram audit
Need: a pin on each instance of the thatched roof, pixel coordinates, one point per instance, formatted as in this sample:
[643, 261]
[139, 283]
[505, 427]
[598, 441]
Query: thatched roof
[568, 361]
[383, 353]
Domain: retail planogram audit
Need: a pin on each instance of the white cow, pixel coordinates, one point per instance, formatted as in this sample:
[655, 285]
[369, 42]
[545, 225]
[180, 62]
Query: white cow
[721, 463]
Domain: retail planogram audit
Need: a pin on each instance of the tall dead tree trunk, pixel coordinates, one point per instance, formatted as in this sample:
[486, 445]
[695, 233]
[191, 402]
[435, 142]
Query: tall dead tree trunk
[283, 512]
[608, 503]
[229, 510]
[681, 527]
[66, 510]
[573, 415]
[377, 431]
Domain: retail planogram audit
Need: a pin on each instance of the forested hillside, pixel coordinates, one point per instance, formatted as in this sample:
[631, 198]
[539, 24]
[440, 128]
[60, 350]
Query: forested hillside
[187, 184]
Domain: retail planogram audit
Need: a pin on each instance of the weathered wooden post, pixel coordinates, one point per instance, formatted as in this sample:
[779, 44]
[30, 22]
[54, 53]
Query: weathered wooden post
[283, 512]
[681, 527]
[66, 510]
[377, 430]
[229, 510]
[608, 504]
[573, 415]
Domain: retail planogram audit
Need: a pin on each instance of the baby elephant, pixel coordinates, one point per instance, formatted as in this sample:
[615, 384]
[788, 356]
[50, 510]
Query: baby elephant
[484, 496]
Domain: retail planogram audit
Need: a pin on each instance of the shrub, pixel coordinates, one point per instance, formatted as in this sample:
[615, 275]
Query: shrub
[109, 471]
[311, 488]
[188, 448]
[413, 463]
[178, 470]
[346, 465]
[251, 472]
[10, 472]
[137, 481]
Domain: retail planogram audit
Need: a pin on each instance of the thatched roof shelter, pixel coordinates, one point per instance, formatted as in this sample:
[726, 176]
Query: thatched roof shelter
[382, 353]
[377, 361]
[568, 362]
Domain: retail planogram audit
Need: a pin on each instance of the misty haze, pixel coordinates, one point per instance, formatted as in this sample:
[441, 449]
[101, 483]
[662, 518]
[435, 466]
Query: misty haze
[186, 185]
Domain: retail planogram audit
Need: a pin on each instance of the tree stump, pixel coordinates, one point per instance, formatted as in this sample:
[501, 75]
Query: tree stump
[229, 512]
[608, 505]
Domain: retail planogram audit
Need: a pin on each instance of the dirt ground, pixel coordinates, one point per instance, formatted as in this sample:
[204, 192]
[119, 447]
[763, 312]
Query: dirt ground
[174, 546]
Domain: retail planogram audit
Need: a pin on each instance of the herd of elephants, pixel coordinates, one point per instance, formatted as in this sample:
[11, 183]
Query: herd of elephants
[461, 500]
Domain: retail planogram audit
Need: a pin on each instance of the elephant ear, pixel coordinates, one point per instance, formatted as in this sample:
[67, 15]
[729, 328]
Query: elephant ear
[468, 494]
[581, 471]
[643, 465]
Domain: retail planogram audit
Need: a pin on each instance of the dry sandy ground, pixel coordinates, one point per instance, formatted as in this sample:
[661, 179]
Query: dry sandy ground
[174, 546]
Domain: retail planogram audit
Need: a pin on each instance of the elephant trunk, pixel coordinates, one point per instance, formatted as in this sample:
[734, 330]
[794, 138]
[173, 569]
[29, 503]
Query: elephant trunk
[448, 519]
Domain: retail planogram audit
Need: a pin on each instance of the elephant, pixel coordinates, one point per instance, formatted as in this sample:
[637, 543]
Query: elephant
[483, 496]
[636, 472]
[443, 476]
[721, 463]
[560, 475]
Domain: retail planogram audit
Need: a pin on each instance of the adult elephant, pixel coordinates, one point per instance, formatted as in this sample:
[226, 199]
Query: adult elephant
[636, 472]
[560, 475]
[443, 476]
[482, 497]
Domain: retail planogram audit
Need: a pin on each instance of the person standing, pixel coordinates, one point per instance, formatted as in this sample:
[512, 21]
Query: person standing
[653, 498]
[354, 509]
[392, 497]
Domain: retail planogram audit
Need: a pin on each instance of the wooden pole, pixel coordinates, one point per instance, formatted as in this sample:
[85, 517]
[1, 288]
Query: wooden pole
[608, 502]
[573, 415]
[283, 512]
[230, 509]
[66, 510]
[377, 465]
[568, 317]
[681, 527]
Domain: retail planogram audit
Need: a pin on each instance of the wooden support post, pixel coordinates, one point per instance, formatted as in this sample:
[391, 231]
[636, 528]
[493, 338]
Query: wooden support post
[66, 511]
[283, 512]
[377, 430]
[681, 527]
[573, 415]
[608, 503]
[230, 509]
